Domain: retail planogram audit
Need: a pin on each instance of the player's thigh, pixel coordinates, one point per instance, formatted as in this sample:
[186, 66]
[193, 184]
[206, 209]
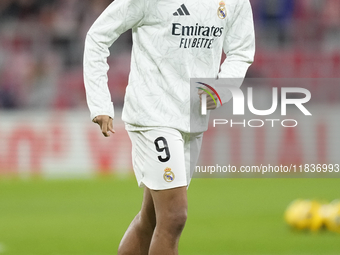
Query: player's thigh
[158, 158]
[171, 206]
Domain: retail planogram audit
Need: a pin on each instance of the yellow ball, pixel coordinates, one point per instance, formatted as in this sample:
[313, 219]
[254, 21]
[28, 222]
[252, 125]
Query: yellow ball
[304, 214]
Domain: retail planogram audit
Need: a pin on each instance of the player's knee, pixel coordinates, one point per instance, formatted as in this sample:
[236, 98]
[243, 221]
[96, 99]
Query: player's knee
[176, 221]
[181, 219]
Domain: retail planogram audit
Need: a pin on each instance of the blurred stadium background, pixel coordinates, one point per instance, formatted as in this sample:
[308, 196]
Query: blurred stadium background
[65, 189]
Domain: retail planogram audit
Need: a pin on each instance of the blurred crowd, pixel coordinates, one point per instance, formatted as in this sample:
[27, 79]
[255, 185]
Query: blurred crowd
[41, 47]
[299, 23]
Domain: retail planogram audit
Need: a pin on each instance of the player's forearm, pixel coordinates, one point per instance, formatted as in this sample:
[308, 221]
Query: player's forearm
[234, 70]
[95, 77]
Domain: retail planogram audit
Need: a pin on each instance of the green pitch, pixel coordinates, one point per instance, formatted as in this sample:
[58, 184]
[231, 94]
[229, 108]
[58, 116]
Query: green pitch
[89, 217]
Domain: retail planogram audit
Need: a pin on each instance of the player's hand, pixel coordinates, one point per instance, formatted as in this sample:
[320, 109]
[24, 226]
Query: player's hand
[105, 123]
[210, 102]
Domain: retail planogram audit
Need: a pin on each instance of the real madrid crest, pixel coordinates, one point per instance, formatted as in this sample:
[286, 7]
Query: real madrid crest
[221, 11]
[168, 176]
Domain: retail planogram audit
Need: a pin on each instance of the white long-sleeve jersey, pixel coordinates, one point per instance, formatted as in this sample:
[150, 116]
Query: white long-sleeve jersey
[173, 41]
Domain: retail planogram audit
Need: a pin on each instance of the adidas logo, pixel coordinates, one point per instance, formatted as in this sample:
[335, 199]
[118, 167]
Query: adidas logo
[182, 11]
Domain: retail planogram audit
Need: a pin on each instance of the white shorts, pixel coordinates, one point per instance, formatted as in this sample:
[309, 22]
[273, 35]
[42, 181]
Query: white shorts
[164, 158]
